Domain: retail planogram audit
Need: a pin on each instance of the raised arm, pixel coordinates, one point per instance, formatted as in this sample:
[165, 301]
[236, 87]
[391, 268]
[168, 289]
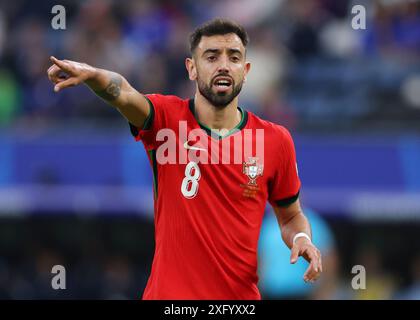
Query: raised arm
[292, 221]
[110, 86]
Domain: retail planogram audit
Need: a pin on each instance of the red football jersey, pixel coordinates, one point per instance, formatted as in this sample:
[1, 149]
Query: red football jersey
[210, 194]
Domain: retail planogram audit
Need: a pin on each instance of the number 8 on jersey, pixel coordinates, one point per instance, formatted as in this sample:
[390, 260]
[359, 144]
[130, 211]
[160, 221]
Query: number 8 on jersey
[189, 186]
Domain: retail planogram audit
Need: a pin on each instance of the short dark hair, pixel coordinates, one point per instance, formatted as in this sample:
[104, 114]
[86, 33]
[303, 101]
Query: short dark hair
[217, 27]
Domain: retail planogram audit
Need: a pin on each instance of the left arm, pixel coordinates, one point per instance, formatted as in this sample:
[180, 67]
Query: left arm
[292, 220]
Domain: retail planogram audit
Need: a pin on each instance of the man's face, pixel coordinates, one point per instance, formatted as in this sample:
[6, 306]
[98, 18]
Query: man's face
[219, 67]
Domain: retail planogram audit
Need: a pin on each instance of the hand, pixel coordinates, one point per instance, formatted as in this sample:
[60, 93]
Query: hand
[303, 247]
[66, 73]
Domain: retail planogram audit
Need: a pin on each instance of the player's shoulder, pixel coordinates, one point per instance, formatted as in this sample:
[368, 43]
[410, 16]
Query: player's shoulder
[271, 129]
[166, 100]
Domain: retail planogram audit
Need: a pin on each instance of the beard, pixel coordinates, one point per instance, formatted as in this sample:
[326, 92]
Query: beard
[221, 99]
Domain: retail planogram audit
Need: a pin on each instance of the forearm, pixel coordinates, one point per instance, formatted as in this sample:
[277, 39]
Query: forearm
[116, 91]
[292, 223]
[108, 85]
[297, 224]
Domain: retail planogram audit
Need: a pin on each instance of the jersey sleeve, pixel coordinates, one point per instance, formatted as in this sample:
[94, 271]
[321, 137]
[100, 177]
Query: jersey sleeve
[153, 123]
[285, 187]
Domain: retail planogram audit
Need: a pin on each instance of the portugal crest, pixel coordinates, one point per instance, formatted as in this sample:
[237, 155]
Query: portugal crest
[252, 169]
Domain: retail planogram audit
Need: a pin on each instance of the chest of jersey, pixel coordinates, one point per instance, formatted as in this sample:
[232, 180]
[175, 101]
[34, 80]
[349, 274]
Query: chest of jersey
[196, 164]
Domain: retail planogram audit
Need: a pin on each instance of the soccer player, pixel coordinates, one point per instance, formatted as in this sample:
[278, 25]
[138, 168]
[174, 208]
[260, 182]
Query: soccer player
[208, 213]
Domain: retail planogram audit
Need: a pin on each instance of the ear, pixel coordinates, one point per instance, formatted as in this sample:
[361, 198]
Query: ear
[247, 68]
[191, 68]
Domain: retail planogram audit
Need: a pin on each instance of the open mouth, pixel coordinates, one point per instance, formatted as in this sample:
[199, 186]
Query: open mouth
[223, 83]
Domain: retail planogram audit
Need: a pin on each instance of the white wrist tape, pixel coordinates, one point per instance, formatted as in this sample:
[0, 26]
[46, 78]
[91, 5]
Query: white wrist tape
[301, 235]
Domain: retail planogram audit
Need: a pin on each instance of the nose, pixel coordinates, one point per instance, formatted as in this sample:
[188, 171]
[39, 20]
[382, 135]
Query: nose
[224, 65]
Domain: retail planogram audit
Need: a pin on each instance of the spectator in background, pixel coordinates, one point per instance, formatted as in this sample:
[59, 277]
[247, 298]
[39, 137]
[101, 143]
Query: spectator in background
[281, 280]
[412, 292]
[395, 30]
[274, 106]
[271, 62]
[294, 42]
[380, 285]
[9, 97]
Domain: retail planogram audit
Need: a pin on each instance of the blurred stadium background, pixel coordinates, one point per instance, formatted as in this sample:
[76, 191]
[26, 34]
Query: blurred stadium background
[75, 189]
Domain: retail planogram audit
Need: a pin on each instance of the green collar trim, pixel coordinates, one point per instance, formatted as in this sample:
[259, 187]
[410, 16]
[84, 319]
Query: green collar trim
[212, 133]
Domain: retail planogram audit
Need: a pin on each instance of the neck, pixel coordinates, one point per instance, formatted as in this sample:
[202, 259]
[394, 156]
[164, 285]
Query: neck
[217, 118]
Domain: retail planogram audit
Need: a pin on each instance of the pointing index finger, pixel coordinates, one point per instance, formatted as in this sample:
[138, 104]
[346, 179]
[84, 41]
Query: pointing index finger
[63, 65]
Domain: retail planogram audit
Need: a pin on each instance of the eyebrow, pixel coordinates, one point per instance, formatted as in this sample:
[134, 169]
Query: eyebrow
[230, 51]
